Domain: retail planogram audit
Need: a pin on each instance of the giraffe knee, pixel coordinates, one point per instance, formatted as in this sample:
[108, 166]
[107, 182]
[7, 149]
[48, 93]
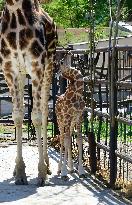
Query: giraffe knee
[67, 142]
[37, 118]
[17, 118]
[79, 139]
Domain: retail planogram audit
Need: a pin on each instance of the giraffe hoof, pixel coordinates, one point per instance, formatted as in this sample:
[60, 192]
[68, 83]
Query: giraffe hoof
[82, 176]
[49, 172]
[41, 182]
[59, 172]
[65, 178]
[21, 181]
[14, 173]
[71, 171]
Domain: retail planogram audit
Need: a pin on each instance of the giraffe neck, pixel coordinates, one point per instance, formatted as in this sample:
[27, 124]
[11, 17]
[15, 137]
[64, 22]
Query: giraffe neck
[36, 2]
[75, 77]
[13, 5]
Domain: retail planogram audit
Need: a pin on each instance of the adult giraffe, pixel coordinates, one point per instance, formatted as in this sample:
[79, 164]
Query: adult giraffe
[28, 43]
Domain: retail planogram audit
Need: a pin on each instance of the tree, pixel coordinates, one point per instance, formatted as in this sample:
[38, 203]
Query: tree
[68, 13]
[74, 13]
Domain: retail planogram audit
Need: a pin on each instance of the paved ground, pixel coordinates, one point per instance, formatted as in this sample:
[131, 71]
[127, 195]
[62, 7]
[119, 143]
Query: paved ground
[73, 192]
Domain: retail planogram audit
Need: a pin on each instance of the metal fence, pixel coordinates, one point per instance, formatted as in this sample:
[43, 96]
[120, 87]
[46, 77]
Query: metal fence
[108, 117]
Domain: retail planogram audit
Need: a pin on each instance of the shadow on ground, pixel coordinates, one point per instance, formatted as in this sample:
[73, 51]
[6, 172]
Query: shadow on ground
[57, 189]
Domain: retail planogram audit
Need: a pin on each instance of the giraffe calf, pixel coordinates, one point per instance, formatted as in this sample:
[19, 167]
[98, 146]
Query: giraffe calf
[69, 110]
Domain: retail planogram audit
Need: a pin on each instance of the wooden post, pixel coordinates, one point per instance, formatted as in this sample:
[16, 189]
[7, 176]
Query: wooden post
[92, 152]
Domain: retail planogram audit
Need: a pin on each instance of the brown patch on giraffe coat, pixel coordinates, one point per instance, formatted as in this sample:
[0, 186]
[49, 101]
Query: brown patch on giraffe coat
[79, 76]
[4, 49]
[6, 15]
[7, 67]
[10, 2]
[39, 88]
[38, 104]
[67, 102]
[5, 20]
[79, 84]
[11, 37]
[25, 35]
[35, 83]
[21, 18]
[39, 74]
[39, 33]
[43, 58]
[9, 79]
[38, 96]
[36, 49]
[4, 26]
[34, 65]
[13, 23]
[70, 94]
[29, 12]
[1, 60]
[80, 90]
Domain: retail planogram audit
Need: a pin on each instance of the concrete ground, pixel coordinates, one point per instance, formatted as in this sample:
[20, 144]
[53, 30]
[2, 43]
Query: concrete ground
[75, 191]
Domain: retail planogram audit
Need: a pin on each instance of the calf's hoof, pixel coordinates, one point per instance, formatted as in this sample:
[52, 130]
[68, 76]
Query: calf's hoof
[65, 178]
[41, 182]
[83, 176]
[21, 181]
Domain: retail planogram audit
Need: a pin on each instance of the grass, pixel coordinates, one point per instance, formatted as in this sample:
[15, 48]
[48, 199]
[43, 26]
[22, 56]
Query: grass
[124, 131]
[67, 36]
[6, 129]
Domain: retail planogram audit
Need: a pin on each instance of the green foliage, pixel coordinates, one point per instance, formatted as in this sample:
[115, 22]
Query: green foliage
[75, 13]
[1, 4]
[68, 13]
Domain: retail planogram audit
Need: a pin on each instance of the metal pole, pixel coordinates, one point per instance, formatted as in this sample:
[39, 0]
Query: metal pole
[113, 105]
[54, 93]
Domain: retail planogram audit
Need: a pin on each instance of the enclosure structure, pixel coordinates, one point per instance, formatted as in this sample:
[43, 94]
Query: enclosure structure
[108, 114]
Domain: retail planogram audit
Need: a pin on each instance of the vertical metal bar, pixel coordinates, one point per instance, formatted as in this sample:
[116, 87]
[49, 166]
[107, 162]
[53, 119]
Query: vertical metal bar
[113, 124]
[54, 93]
[92, 66]
[63, 84]
[113, 104]
[92, 152]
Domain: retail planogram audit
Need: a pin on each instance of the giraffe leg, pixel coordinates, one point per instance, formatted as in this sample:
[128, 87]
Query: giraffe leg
[61, 153]
[64, 170]
[70, 162]
[80, 144]
[45, 93]
[37, 121]
[42, 169]
[17, 92]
